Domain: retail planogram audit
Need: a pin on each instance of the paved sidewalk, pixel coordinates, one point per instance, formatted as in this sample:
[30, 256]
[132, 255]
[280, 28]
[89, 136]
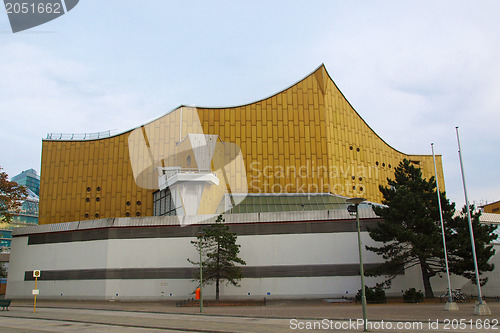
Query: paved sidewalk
[276, 316]
[307, 309]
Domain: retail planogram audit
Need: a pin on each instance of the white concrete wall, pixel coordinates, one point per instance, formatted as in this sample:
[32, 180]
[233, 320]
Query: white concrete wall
[75, 255]
[267, 250]
[151, 252]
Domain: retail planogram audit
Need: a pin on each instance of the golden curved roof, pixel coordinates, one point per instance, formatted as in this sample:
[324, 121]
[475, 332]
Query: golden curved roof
[306, 138]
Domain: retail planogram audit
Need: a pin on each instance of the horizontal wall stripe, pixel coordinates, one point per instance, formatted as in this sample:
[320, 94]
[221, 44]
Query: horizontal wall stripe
[271, 228]
[189, 272]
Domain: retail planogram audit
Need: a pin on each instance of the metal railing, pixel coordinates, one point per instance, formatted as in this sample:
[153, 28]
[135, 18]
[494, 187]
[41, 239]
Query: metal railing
[78, 136]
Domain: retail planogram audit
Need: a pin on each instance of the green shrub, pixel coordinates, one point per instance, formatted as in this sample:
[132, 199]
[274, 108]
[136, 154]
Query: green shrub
[413, 295]
[373, 295]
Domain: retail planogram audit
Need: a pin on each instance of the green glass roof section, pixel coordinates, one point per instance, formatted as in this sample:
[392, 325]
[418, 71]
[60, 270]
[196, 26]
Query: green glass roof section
[288, 203]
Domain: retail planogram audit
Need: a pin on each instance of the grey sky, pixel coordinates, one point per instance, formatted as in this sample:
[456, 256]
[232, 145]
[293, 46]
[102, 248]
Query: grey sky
[413, 70]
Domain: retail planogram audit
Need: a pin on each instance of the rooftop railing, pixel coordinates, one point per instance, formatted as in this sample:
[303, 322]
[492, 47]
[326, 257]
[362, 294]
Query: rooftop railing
[78, 136]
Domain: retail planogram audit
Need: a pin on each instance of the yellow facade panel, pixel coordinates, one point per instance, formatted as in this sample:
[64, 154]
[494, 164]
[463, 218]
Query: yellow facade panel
[310, 124]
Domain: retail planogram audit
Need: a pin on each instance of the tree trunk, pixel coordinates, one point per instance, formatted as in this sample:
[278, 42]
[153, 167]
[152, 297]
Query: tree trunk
[426, 277]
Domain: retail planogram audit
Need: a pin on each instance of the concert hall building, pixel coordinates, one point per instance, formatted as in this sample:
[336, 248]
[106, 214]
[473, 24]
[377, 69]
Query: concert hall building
[119, 212]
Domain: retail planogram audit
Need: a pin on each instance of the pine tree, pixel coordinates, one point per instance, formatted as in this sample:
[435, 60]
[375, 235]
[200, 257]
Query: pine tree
[460, 248]
[410, 230]
[220, 256]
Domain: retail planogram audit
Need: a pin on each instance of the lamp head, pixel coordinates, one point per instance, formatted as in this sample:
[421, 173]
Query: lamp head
[355, 201]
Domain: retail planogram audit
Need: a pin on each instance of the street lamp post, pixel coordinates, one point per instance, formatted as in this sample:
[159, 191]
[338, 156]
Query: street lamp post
[356, 202]
[200, 235]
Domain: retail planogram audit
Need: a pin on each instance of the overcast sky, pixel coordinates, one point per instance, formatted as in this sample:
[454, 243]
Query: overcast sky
[412, 69]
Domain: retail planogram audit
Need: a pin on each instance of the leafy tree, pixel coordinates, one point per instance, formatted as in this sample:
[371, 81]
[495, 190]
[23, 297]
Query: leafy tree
[11, 195]
[220, 256]
[460, 248]
[410, 230]
[3, 270]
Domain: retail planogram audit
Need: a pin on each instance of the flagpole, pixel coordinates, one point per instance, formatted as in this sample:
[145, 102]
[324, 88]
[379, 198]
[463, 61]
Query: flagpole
[481, 307]
[450, 305]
